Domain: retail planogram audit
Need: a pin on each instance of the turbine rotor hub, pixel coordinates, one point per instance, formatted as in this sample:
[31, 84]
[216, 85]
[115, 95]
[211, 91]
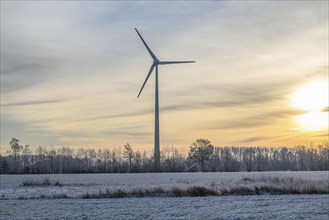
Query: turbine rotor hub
[156, 61]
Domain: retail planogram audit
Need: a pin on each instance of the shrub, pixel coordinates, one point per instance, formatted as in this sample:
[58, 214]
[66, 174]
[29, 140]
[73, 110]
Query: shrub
[44, 182]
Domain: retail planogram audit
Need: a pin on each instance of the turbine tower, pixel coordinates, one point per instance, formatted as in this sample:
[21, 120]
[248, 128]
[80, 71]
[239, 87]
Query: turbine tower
[155, 64]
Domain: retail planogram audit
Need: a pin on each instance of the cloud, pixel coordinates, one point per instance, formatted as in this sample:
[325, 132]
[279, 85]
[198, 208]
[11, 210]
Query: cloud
[252, 139]
[240, 95]
[122, 115]
[323, 135]
[79, 73]
[39, 102]
[22, 71]
[236, 124]
[326, 109]
[254, 118]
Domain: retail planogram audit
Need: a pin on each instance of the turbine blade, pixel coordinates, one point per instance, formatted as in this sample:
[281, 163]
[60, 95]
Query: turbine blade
[174, 62]
[147, 47]
[147, 77]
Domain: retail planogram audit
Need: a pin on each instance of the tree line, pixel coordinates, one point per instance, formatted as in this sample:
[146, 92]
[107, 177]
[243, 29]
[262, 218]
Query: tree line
[202, 156]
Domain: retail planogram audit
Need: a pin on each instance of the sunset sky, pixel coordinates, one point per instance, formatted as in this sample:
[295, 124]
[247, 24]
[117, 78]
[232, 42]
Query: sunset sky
[71, 72]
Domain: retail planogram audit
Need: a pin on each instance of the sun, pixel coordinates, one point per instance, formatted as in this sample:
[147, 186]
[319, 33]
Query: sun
[313, 120]
[313, 98]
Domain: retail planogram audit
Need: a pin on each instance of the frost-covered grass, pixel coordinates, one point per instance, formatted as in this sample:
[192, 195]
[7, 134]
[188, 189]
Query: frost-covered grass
[245, 186]
[44, 182]
[93, 186]
[275, 207]
[286, 185]
[271, 195]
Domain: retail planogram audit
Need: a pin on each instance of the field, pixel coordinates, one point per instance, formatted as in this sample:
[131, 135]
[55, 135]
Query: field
[278, 195]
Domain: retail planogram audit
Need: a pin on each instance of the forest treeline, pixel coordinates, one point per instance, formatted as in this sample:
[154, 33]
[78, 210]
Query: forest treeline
[202, 156]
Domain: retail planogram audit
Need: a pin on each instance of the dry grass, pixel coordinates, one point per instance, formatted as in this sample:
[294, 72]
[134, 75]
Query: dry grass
[245, 186]
[44, 182]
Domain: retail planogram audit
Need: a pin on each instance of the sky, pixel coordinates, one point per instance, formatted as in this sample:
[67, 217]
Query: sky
[71, 72]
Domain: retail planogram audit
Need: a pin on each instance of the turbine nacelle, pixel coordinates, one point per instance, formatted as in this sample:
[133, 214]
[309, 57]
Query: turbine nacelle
[156, 61]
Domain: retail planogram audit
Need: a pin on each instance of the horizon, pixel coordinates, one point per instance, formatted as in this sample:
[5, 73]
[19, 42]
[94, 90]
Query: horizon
[260, 77]
[182, 149]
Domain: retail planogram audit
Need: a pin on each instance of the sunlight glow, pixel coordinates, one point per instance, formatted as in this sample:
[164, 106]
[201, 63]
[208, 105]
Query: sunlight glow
[312, 97]
[314, 120]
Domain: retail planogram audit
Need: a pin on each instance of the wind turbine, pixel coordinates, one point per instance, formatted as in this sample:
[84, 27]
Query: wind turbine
[155, 64]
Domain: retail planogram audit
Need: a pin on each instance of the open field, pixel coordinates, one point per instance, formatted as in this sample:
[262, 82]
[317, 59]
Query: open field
[223, 207]
[163, 184]
[280, 195]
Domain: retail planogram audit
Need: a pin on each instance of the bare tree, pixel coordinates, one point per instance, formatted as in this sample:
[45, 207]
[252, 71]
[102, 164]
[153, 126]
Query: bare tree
[51, 155]
[200, 151]
[16, 148]
[202, 155]
[128, 153]
[26, 155]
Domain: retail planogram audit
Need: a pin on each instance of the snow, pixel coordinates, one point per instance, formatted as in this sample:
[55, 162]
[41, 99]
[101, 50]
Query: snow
[223, 207]
[77, 185]
[37, 202]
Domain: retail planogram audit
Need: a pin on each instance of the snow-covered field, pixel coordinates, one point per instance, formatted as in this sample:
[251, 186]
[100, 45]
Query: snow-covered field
[219, 207]
[166, 196]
